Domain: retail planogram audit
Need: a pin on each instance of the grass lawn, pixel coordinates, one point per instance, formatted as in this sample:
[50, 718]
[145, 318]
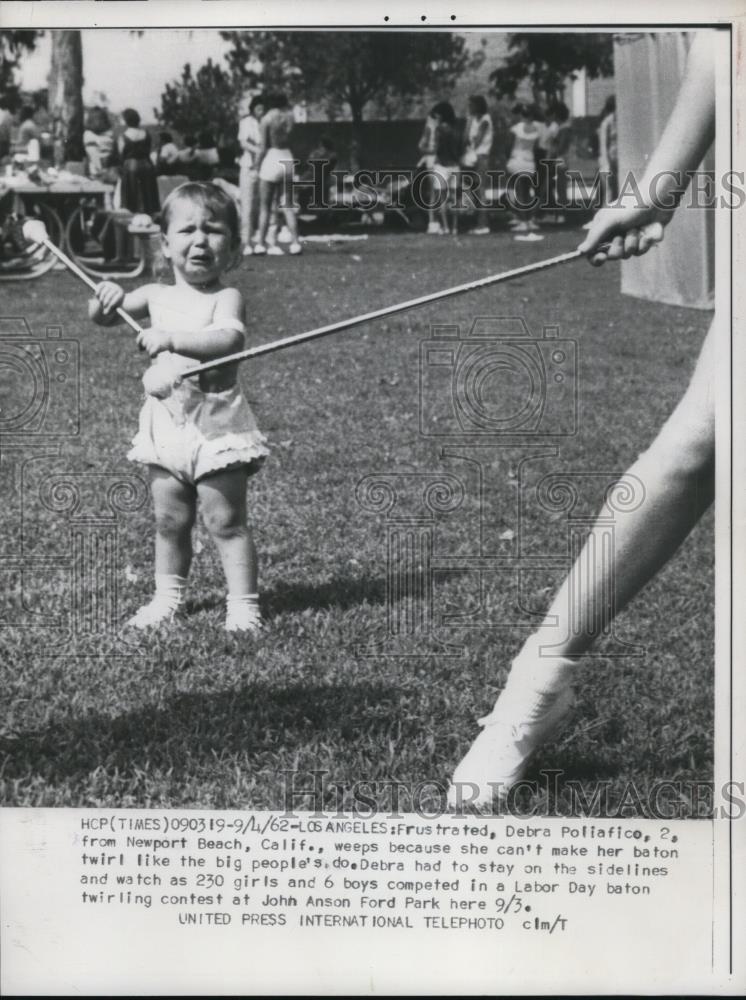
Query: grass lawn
[195, 717]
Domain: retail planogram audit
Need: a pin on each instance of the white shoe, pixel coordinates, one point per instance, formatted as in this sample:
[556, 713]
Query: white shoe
[284, 235]
[520, 227]
[295, 248]
[247, 250]
[528, 237]
[499, 756]
[533, 226]
[259, 249]
[274, 251]
[156, 612]
[481, 231]
[434, 229]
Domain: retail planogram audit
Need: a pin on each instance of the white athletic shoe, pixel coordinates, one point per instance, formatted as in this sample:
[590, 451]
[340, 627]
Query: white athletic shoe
[247, 250]
[481, 231]
[499, 756]
[528, 237]
[434, 229]
[274, 251]
[284, 235]
[295, 248]
[156, 612]
[533, 226]
[259, 249]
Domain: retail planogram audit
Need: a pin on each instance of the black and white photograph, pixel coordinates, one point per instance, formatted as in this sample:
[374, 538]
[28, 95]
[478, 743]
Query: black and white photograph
[364, 392]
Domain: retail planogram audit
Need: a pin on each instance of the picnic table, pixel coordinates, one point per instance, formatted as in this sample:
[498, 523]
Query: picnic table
[54, 197]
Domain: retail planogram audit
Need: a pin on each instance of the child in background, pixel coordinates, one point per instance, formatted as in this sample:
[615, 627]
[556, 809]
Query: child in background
[479, 136]
[200, 443]
[522, 172]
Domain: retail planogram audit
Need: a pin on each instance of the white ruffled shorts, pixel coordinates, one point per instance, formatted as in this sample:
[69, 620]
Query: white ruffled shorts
[277, 166]
[192, 433]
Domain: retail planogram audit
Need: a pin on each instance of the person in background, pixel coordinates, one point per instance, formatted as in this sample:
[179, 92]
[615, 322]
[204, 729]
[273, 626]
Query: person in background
[29, 135]
[478, 139]
[426, 148]
[206, 157]
[250, 140]
[6, 126]
[98, 141]
[276, 167]
[558, 139]
[608, 158]
[185, 156]
[521, 166]
[168, 154]
[446, 160]
[139, 191]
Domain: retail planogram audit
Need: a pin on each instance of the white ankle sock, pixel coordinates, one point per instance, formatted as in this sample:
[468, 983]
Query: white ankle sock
[169, 590]
[242, 613]
[169, 594]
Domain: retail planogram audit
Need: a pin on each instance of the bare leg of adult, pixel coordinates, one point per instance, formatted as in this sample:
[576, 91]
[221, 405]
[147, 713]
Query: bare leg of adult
[677, 484]
[674, 483]
[288, 210]
[266, 193]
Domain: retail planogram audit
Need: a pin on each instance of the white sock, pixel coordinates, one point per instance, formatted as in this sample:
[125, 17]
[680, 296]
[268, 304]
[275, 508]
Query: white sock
[170, 589]
[169, 594]
[242, 613]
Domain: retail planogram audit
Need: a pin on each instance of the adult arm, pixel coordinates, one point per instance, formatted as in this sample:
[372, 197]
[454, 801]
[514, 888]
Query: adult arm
[634, 228]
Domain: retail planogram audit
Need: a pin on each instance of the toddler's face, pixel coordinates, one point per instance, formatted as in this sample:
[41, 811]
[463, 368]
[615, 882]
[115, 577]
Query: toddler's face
[198, 243]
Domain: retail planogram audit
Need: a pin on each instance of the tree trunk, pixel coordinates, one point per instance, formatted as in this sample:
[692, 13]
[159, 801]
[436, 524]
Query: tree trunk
[66, 91]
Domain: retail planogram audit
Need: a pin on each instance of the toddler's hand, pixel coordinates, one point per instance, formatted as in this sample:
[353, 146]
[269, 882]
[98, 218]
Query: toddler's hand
[161, 378]
[154, 341]
[110, 295]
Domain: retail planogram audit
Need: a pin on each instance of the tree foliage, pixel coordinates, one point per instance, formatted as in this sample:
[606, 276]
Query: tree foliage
[13, 45]
[545, 60]
[203, 101]
[353, 68]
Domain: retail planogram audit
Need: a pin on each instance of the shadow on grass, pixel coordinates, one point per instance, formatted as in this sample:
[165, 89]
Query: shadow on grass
[193, 730]
[335, 593]
[286, 598]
